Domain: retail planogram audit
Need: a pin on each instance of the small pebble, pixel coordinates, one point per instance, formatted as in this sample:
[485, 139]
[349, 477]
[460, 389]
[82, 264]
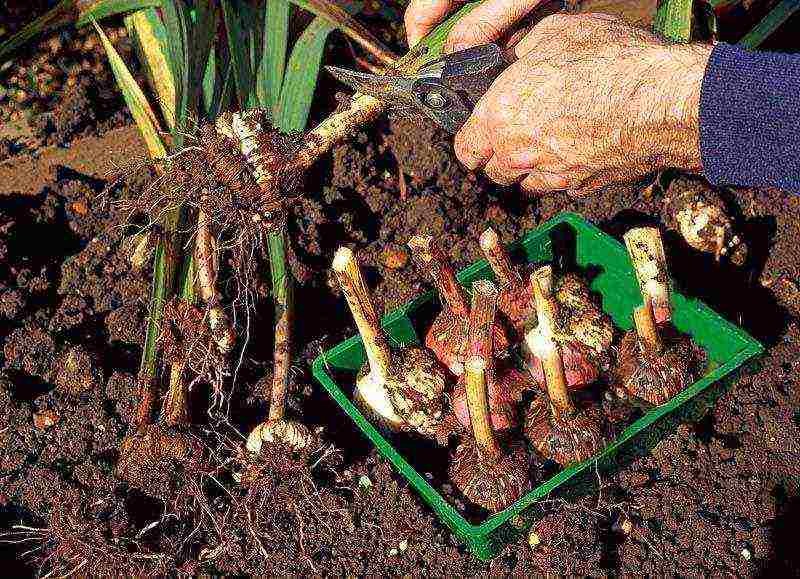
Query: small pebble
[395, 258]
[534, 540]
[403, 545]
[746, 554]
[44, 419]
[393, 552]
[364, 483]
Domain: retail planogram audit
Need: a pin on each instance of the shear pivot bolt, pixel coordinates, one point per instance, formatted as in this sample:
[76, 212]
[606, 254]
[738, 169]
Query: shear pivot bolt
[435, 100]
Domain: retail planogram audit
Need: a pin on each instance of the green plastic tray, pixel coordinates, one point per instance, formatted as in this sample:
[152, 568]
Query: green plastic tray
[727, 346]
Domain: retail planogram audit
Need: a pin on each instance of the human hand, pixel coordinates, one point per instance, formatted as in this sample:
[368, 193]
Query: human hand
[591, 101]
[487, 22]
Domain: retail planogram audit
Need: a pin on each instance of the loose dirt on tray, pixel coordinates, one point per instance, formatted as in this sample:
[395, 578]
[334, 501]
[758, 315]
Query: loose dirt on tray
[716, 496]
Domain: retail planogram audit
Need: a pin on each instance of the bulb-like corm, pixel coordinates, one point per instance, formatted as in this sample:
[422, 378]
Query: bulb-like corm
[702, 219]
[655, 364]
[556, 427]
[490, 476]
[403, 389]
[583, 332]
[447, 336]
[279, 431]
[505, 384]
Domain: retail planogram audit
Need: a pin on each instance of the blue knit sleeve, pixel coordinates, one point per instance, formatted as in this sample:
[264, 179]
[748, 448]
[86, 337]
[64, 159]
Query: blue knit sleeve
[750, 118]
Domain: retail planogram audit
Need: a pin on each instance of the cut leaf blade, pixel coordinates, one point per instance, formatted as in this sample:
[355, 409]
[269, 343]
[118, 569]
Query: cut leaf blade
[673, 20]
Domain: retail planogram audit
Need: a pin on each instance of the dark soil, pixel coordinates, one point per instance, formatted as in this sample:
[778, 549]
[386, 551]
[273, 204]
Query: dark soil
[716, 496]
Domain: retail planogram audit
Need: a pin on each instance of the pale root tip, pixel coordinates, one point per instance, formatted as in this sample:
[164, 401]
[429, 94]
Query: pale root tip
[543, 279]
[343, 258]
[488, 239]
[421, 242]
[656, 289]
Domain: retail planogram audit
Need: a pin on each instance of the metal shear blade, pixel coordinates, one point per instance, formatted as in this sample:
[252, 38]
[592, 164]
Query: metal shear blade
[395, 90]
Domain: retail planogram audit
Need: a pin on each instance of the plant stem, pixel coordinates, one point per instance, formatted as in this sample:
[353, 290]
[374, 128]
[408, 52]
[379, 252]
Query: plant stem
[499, 260]
[546, 304]
[282, 295]
[359, 299]
[175, 409]
[478, 404]
[646, 250]
[542, 342]
[164, 274]
[481, 320]
[645, 323]
[430, 258]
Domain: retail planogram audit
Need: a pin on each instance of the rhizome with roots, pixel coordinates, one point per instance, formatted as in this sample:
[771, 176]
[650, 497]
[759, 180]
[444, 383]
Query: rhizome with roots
[235, 180]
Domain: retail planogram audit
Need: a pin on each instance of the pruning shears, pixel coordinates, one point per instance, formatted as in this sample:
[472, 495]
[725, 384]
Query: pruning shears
[445, 90]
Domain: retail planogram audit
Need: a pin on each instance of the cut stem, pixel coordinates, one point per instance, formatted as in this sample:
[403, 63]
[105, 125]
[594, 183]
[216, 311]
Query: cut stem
[645, 322]
[498, 259]
[358, 297]
[542, 342]
[646, 250]
[430, 258]
[481, 320]
[282, 294]
[546, 304]
[478, 404]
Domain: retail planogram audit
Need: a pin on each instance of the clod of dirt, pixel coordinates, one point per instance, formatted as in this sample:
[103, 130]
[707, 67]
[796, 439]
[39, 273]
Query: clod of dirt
[31, 349]
[123, 390]
[77, 373]
[11, 303]
[153, 458]
[44, 419]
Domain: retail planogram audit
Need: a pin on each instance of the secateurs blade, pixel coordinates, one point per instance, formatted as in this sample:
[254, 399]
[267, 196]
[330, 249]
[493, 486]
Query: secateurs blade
[445, 90]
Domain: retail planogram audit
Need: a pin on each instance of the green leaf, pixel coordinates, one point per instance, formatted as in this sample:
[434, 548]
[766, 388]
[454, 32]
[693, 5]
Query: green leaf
[203, 35]
[101, 9]
[673, 20]
[770, 23]
[301, 76]
[67, 12]
[137, 103]
[178, 25]
[238, 16]
[430, 47]
[273, 58]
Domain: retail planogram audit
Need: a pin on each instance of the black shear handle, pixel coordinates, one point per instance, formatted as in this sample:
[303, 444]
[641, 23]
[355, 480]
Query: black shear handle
[465, 77]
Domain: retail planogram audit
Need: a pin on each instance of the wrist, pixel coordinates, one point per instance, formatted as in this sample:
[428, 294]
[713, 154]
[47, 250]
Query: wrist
[684, 69]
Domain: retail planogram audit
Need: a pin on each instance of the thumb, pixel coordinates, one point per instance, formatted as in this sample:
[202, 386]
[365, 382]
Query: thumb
[422, 15]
